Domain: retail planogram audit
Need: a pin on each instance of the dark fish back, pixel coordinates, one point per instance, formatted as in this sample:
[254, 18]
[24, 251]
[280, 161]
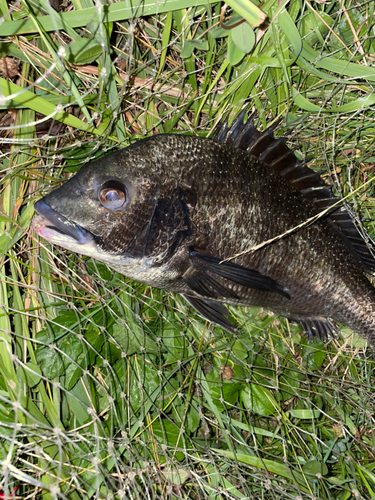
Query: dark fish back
[275, 152]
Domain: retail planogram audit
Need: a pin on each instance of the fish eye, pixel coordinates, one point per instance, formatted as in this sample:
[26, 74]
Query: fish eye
[112, 195]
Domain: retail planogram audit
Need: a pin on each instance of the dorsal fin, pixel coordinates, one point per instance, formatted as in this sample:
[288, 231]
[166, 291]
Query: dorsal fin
[275, 152]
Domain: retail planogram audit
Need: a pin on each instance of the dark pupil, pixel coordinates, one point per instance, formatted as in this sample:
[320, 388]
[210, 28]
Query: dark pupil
[112, 196]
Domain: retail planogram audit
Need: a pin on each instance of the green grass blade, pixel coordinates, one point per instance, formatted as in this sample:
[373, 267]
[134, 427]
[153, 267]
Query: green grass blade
[165, 40]
[115, 12]
[249, 11]
[12, 92]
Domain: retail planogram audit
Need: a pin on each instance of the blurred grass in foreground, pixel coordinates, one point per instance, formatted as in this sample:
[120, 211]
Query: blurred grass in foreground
[110, 389]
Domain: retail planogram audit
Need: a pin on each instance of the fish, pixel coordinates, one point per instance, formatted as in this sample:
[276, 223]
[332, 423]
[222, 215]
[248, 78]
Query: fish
[233, 219]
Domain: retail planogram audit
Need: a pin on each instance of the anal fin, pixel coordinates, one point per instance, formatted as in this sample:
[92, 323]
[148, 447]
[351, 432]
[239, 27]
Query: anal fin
[212, 311]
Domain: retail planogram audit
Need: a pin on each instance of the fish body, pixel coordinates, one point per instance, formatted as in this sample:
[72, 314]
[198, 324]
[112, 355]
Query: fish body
[170, 209]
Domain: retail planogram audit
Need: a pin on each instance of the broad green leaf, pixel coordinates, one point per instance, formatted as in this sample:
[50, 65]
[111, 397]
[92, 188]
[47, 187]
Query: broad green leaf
[200, 44]
[192, 419]
[217, 480]
[168, 433]
[342, 67]
[31, 374]
[66, 362]
[190, 45]
[10, 49]
[225, 395]
[303, 103]
[133, 340]
[240, 350]
[175, 344]
[259, 399]
[263, 463]
[175, 476]
[352, 338]
[290, 31]
[17, 230]
[315, 467]
[49, 360]
[82, 51]
[141, 380]
[312, 29]
[362, 102]
[187, 49]
[289, 384]
[220, 32]
[235, 55]
[72, 373]
[304, 414]
[319, 356]
[346, 26]
[244, 37]
[4, 218]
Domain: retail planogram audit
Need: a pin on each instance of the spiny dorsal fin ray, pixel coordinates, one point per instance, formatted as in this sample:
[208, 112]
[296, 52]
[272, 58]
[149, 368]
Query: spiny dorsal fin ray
[275, 152]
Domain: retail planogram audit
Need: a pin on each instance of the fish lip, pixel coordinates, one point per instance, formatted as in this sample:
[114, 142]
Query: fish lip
[61, 224]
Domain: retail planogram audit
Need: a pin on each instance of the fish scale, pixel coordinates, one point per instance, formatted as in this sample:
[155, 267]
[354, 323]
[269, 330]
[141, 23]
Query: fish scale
[189, 203]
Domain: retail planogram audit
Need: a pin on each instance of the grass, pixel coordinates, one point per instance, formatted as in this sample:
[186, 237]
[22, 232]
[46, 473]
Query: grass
[110, 389]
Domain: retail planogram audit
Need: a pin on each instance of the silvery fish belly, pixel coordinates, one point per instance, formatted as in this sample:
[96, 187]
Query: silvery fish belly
[168, 210]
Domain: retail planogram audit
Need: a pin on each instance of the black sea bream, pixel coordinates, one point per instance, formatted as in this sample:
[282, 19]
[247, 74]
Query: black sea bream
[169, 209]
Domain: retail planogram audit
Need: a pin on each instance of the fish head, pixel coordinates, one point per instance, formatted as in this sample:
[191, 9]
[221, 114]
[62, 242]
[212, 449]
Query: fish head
[104, 211]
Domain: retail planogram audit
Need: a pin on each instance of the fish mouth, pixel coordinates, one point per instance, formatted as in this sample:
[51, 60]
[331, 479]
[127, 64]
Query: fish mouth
[55, 227]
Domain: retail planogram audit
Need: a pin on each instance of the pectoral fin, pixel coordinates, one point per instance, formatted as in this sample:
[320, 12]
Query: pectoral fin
[212, 311]
[203, 276]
